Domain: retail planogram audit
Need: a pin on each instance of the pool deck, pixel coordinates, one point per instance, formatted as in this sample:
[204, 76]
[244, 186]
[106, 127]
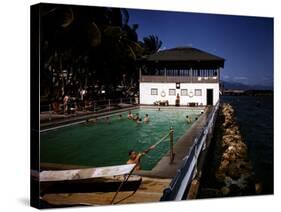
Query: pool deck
[150, 190]
[163, 168]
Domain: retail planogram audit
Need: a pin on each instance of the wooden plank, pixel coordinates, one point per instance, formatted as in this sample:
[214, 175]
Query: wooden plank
[150, 191]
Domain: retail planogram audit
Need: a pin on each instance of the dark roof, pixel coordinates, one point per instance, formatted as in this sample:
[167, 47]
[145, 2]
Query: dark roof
[184, 56]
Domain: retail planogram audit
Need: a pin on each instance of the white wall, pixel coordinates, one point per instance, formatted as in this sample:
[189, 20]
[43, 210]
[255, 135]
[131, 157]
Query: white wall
[147, 98]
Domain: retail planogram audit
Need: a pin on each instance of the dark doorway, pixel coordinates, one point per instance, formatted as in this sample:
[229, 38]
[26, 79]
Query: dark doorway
[209, 96]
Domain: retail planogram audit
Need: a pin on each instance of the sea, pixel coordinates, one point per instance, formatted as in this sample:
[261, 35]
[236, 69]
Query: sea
[254, 115]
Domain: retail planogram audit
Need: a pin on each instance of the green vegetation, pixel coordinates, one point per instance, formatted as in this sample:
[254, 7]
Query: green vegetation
[92, 49]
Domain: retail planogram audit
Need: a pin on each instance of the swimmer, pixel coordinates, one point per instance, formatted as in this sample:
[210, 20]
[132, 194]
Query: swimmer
[146, 118]
[188, 119]
[92, 120]
[136, 117]
[130, 115]
[158, 108]
[139, 121]
[120, 116]
[134, 157]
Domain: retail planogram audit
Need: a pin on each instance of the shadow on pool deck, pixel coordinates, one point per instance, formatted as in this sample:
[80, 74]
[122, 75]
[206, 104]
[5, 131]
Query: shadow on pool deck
[163, 168]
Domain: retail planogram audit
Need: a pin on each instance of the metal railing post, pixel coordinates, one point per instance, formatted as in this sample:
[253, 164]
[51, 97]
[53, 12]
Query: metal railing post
[109, 104]
[172, 155]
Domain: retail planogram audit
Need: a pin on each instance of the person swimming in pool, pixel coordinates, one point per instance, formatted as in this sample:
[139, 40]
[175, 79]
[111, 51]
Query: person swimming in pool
[136, 117]
[130, 115]
[135, 158]
[188, 119]
[146, 118]
[91, 121]
[139, 121]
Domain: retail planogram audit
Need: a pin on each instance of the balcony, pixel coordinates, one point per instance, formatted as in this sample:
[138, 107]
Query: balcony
[180, 79]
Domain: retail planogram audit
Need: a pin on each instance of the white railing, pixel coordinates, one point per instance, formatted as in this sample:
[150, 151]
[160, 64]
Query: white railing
[187, 172]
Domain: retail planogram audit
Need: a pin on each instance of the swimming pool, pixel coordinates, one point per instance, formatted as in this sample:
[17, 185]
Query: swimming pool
[108, 141]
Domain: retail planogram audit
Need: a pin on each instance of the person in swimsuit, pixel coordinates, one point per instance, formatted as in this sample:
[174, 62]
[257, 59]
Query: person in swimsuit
[135, 158]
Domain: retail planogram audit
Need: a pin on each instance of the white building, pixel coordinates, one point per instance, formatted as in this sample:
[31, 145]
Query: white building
[187, 74]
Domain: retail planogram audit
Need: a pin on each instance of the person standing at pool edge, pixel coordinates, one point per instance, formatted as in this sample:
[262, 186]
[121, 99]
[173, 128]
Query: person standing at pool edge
[134, 157]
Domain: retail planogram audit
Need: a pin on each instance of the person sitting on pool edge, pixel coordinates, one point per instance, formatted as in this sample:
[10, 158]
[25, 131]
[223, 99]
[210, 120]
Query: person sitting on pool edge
[134, 157]
[188, 119]
[130, 115]
[146, 118]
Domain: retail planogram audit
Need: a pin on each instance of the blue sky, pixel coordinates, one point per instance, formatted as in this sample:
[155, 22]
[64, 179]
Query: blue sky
[245, 42]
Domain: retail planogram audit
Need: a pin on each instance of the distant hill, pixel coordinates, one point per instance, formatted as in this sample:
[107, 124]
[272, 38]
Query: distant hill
[236, 85]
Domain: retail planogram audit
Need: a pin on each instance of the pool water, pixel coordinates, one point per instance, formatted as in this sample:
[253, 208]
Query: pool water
[108, 142]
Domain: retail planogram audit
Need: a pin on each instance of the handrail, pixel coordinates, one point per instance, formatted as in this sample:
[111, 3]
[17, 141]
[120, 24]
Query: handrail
[186, 173]
[171, 135]
[162, 139]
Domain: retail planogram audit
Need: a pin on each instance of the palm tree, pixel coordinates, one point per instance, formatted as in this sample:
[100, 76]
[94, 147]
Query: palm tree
[86, 47]
[151, 44]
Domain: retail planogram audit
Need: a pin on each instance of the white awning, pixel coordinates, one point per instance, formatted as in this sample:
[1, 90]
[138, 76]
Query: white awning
[77, 174]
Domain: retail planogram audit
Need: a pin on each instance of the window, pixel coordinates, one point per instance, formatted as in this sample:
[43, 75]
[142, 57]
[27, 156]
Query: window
[154, 91]
[198, 92]
[184, 92]
[172, 92]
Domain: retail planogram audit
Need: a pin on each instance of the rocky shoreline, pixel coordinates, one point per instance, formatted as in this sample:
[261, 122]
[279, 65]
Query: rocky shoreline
[234, 173]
